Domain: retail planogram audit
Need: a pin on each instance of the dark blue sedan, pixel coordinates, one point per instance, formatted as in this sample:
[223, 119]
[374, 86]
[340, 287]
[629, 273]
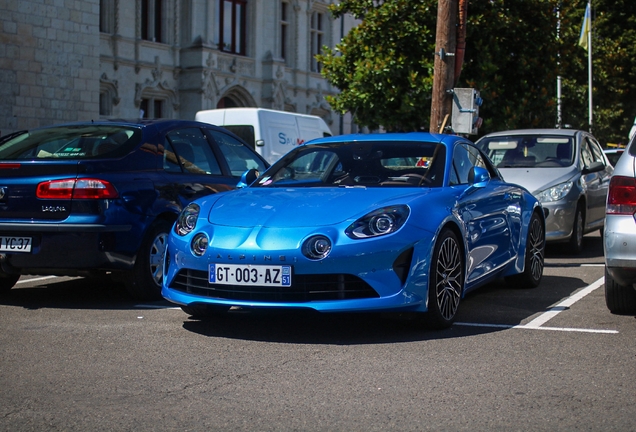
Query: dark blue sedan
[100, 197]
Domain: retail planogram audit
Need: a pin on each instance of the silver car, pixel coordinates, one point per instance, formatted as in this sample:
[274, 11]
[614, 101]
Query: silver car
[565, 169]
[620, 236]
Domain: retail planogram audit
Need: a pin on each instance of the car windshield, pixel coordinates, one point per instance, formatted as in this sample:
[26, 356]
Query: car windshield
[371, 164]
[71, 142]
[529, 151]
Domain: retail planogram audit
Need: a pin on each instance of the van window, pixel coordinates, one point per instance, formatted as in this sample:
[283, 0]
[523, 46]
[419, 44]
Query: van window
[246, 133]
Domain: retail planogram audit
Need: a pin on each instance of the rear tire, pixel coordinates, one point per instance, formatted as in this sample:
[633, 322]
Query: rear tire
[7, 281]
[535, 253]
[144, 281]
[576, 240]
[620, 299]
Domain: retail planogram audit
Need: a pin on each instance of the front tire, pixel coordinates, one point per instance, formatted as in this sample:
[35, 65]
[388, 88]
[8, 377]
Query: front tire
[144, 281]
[535, 256]
[576, 240]
[620, 299]
[446, 285]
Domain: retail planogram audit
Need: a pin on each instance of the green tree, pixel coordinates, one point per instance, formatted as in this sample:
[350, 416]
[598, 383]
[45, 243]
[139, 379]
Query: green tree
[384, 67]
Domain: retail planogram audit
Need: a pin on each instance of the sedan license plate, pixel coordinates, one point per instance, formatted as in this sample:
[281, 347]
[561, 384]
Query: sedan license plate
[247, 274]
[15, 244]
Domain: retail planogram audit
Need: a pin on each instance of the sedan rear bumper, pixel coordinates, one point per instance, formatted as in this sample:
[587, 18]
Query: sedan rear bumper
[620, 248]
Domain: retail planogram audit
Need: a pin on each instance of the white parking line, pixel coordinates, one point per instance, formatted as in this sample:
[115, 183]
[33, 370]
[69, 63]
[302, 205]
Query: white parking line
[34, 279]
[536, 324]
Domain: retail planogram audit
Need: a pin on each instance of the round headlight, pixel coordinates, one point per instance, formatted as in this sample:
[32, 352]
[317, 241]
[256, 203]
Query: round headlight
[199, 244]
[187, 220]
[317, 247]
[381, 224]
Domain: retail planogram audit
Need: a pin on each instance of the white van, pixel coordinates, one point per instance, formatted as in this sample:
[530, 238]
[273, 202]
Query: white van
[272, 133]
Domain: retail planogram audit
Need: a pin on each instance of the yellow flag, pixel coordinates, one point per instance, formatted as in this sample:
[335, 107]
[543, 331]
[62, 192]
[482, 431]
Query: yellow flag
[585, 28]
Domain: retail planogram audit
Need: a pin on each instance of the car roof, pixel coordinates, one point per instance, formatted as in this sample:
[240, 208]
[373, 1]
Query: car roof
[159, 123]
[563, 132]
[390, 136]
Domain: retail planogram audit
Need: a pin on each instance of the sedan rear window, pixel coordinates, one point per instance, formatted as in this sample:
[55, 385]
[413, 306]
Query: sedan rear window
[71, 142]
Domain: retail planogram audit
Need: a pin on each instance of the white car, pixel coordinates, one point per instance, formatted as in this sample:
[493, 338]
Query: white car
[620, 236]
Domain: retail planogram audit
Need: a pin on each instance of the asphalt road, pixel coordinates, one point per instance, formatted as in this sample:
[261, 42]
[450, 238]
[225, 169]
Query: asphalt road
[78, 355]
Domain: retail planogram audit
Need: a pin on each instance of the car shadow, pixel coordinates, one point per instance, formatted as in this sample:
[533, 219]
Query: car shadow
[78, 293]
[494, 308]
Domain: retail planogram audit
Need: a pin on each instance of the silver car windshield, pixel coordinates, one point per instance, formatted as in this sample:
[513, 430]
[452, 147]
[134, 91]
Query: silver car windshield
[529, 151]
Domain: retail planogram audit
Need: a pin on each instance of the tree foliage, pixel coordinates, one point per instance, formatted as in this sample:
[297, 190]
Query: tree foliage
[515, 50]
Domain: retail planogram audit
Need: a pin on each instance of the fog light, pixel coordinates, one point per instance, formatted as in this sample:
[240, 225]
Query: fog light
[317, 247]
[199, 244]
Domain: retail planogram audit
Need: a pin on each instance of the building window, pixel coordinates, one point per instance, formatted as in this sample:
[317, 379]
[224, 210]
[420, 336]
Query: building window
[151, 108]
[316, 37]
[231, 24]
[106, 16]
[105, 104]
[151, 20]
[284, 25]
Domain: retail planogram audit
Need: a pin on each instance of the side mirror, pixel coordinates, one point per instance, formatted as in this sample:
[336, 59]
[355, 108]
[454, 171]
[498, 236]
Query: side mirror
[248, 178]
[594, 167]
[478, 176]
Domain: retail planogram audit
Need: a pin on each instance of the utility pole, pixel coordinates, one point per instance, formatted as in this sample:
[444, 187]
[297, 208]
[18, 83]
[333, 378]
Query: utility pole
[444, 66]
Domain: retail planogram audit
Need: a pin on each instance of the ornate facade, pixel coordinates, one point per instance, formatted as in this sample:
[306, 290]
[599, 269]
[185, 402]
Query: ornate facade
[163, 58]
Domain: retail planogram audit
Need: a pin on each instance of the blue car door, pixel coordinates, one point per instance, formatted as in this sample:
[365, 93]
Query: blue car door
[487, 211]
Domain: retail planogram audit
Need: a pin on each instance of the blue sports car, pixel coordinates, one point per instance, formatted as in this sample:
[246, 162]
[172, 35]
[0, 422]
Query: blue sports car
[378, 222]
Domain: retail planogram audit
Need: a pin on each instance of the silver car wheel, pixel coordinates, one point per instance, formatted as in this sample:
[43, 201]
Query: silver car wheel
[448, 287]
[157, 256]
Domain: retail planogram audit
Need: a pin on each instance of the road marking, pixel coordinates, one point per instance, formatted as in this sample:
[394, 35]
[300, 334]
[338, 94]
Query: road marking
[35, 279]
[537, 323]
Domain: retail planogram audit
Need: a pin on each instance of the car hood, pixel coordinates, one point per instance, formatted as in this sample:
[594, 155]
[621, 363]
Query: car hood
[303, 207]
[537, 179]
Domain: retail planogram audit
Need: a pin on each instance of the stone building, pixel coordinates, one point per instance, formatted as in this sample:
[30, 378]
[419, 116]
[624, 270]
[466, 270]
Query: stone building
[68, 60]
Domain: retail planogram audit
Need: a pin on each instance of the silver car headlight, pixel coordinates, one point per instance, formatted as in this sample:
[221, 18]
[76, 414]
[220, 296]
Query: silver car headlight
[379, 222]
[555, 193]
[187, 220]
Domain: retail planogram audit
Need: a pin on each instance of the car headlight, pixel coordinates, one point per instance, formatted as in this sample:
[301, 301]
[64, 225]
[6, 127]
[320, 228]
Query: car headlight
[555, 193]
[187, 220]
[379, 222]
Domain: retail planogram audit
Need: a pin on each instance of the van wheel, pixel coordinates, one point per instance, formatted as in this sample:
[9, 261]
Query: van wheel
[144, 281]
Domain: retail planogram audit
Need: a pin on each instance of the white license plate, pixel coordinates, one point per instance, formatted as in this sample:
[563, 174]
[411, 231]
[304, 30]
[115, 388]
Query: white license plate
[247, 274]
[15, 244]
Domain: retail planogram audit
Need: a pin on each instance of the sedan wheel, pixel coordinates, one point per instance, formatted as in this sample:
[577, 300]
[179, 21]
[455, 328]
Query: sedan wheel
[619, 299]
[576, 241]
[147, 276]
[446, 281]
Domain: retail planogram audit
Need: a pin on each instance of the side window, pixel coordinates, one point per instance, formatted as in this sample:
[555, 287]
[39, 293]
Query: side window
[170, 160]
[194, 152]
[464, 159]
[586, 153]
[596, 151]
[238, 156]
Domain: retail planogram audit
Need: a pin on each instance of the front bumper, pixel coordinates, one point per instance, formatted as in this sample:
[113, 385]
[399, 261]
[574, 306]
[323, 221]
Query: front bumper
[560, 220]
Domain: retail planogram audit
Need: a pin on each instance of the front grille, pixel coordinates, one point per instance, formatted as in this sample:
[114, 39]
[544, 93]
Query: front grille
[305, 288]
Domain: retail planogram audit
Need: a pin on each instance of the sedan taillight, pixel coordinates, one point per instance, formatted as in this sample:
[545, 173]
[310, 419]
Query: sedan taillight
[77, 189]
[621, 198]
